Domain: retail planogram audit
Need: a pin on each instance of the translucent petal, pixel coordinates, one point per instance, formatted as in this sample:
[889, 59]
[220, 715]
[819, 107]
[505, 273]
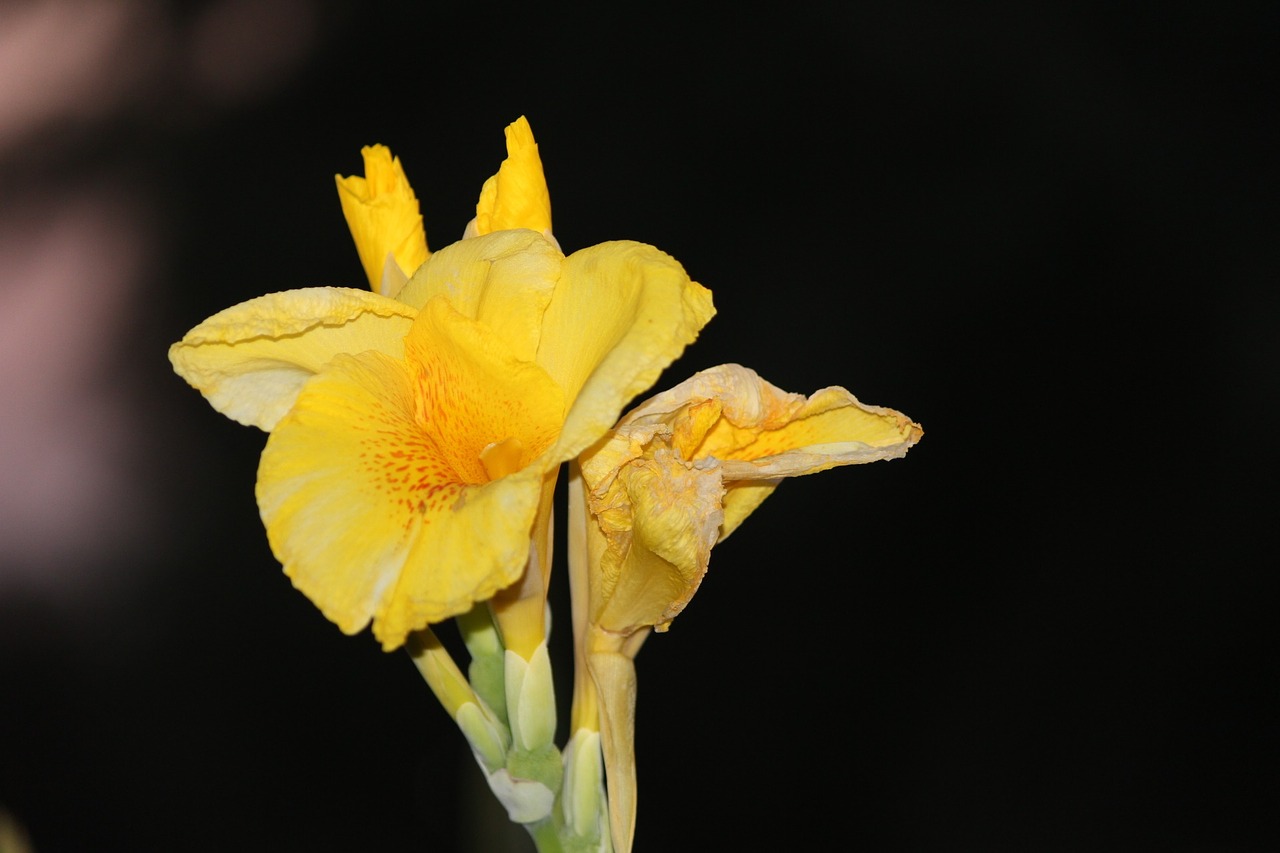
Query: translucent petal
[252, 359]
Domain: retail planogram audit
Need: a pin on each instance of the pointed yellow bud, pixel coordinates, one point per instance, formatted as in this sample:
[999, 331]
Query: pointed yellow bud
[382, 213]
[516, 197]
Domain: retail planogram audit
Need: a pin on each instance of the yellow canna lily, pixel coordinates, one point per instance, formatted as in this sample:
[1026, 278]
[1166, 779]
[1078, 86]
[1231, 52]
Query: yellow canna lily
[677, 475]
[414, 440]
[684, 469]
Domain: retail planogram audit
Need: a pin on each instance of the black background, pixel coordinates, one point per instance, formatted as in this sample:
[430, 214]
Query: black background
[1044, 231]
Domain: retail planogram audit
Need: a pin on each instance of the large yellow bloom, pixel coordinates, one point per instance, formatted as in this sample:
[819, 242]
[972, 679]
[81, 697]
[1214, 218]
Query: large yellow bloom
[414, 440]
[677, 475]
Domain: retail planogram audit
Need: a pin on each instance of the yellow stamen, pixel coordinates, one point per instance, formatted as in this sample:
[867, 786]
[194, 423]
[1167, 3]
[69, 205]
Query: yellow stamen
[501, 458]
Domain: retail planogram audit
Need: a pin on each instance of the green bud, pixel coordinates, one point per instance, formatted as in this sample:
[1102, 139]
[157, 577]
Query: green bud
[531, 699]
[487, 738]
[583, 800]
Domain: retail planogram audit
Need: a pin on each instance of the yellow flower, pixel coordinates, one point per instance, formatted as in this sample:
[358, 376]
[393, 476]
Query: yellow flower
[684, 469]
[414, 441]
[677, 475]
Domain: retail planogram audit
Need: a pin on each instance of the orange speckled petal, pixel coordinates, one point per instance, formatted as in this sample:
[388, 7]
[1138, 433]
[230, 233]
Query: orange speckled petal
[373, 490]
[485, 405]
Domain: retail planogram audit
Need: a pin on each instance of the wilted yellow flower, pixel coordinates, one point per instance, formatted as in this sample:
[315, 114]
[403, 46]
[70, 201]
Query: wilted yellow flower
[414, 441]
[684, 469]
[677, 475]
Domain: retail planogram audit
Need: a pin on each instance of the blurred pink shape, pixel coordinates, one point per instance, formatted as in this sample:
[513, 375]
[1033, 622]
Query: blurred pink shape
[74, 258]
[71, 60]
[69, 269]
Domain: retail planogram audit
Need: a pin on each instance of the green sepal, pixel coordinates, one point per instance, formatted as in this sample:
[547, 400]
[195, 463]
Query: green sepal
[582, 800]
[531, 699]
[543, 765]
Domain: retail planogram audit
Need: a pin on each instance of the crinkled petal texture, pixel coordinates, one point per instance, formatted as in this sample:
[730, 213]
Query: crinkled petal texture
[660, 517]
[380, 492]
[517, 196]
[683, 470]
[402, 490]
[385, 220]
[251, 360]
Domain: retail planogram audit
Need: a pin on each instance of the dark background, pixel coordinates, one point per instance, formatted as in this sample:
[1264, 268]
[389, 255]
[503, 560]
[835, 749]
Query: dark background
[1044, 231]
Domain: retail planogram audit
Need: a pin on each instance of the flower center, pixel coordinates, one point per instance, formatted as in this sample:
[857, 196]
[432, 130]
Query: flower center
[501, 458]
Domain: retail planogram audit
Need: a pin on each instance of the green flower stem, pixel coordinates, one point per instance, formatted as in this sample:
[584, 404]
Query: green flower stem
[579, 823]
[439, 671]
[545, 836]
[488, 735]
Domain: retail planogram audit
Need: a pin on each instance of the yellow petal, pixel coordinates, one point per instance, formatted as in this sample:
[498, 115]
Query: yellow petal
[382, 213]
[251, 360]
[374, 488]
[682, 470]
[516, 197]
[761, 434]
[660, 518]
[505, 280]
[487, 407]
[620, 314]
